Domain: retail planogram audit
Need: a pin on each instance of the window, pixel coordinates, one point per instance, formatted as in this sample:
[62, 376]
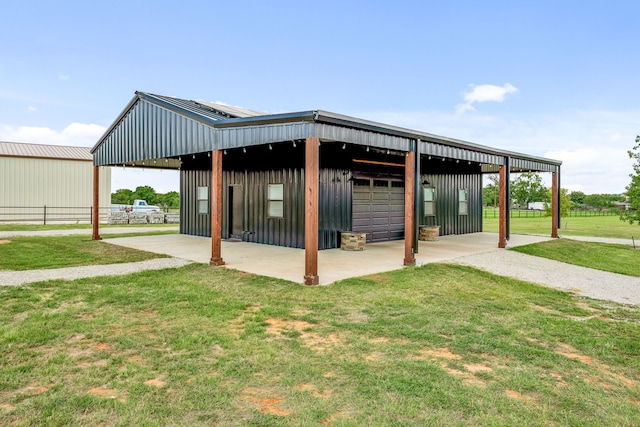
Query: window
[275, 200]
[203, 200]
[463, 202]
[429, 201]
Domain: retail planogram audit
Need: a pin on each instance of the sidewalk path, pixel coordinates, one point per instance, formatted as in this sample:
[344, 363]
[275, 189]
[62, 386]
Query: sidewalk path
[15, 278]
[580, 280]
[71, 231]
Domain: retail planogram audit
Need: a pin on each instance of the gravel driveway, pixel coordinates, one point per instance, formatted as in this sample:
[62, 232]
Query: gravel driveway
[580, 280]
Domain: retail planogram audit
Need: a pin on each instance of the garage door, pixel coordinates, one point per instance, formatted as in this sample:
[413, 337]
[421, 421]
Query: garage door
[378, 209]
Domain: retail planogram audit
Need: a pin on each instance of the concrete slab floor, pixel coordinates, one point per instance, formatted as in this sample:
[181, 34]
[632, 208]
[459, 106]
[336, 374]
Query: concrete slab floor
[333, 264]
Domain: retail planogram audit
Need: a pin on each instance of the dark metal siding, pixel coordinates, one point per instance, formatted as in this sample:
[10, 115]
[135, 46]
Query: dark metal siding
[191, 222]
[447, 216]
[334, 206]
[151, 132]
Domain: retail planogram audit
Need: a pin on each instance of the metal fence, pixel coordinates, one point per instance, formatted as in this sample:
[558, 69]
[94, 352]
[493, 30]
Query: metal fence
[528, 213]
[52, 214]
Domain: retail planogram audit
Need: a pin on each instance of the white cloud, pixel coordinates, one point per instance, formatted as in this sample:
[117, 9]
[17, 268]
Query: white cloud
[484, 93]
[63, 77]
[86, 135]
[31, 108]
[75, 134]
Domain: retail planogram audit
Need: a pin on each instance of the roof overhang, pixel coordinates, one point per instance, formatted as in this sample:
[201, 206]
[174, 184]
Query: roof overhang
[209, 130]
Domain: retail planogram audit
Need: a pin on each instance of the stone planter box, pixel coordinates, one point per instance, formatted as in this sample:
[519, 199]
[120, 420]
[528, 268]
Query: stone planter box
[350, 241]
[429, 233]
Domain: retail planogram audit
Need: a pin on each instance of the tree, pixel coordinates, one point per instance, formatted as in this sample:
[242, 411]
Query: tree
[577, 197]
[633, 189]
[600, 201]
[526, 188]
[169, 200]
[147, 193]
[122, 197]
[565, 202]
[491, 192]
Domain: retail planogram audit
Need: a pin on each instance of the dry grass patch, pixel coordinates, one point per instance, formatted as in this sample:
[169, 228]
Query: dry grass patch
[264, 400]
[313, 340]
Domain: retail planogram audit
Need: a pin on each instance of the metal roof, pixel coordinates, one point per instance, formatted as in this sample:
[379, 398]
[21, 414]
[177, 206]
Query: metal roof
[231, 110]
[41, 151]
[216, 126]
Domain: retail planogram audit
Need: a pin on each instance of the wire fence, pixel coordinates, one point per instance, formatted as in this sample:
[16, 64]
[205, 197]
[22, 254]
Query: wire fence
[529, 213]
[60, 214]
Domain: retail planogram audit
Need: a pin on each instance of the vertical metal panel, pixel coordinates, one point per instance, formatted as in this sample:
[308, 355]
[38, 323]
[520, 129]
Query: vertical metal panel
[335, 206]
[447, 214]
[334, 214]
[52, 182]
[192, 222]
[150, 132]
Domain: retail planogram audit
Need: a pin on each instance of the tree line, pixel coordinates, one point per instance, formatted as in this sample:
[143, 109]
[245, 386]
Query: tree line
[527, 188]
[125, 196]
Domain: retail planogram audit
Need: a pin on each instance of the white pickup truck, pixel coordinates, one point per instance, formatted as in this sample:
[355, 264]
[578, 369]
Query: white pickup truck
[138, 206]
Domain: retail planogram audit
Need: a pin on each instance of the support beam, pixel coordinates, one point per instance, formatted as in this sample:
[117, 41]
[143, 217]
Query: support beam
[555, 205]
[95, 212]
[311, 198]
[416, 200]
[504, 211]
[216, 208]
[409, 214]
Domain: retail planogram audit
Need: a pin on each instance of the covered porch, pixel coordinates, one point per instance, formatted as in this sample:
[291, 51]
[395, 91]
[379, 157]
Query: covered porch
[288, 263]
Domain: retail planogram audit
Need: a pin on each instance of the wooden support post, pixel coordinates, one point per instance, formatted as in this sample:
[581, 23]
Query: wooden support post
[311, 198]
[95, 219]
[216, 208]
[555, 205]
[504, 211]
[409, 214]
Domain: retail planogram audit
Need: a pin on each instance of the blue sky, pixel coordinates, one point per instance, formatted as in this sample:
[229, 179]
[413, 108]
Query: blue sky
[550, 78]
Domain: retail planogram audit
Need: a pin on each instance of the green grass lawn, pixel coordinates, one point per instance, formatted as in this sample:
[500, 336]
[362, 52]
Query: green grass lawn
[434, 345]
[623, 259]
[600, 226]
[29, 253]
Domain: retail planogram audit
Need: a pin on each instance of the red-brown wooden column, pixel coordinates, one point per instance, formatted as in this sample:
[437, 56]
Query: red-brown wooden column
[216, 208]
[555, 205]
[409, 212]
[311, 183]
[95, 218]
[502, 227]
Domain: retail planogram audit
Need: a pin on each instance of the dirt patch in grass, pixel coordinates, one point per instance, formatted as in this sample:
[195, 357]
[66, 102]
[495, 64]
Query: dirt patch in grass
[517, 396]
[572, 353]
[156, 382]
[4, 242]
[556, 378]
[374, 357]
[264, 400]
[610, 378]
[583, 305]
[106, 393]
[544, 309]
[6, 407]
[476, 367]
[438, 353]
[311, 389]
[313, 340]
[32, 390]
[101, 362]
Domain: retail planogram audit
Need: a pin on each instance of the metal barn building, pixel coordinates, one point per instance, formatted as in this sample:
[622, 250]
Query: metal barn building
[35, 178]
[301, 179]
